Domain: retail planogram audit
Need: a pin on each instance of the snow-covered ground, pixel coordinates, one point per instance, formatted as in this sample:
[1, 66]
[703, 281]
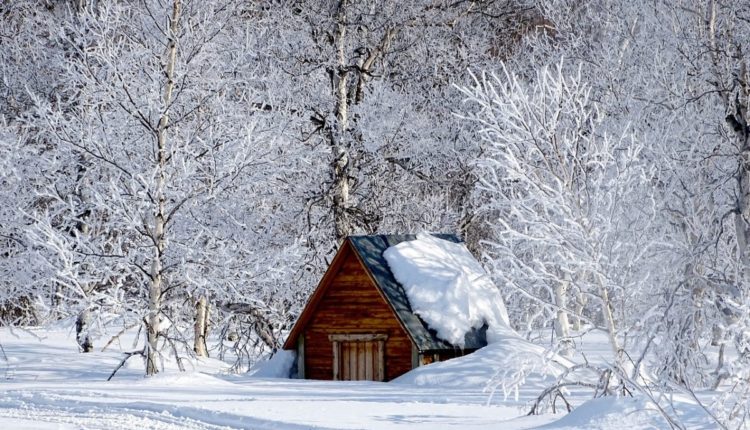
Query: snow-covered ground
[47, 384]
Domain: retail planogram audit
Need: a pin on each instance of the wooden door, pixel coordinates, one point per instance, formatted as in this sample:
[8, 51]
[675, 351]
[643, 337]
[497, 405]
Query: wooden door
[358, 357]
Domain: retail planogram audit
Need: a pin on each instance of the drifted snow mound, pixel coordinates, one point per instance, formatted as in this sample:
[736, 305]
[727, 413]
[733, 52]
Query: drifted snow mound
[609, 413]
[505, 365]
[447, 287]
[279, 365]
[182, 379]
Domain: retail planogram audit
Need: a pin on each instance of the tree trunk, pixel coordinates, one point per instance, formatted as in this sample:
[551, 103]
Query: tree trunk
[578, 307]
[609, 320]
[201, 327]
[338, 134]
[562, 325]
[83, 322]
[720, 373]
[158, 234]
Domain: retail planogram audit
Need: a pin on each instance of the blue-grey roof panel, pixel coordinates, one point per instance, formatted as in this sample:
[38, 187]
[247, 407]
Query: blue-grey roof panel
[370, 250]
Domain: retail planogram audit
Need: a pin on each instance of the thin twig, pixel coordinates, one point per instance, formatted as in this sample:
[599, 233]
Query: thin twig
[117, 336]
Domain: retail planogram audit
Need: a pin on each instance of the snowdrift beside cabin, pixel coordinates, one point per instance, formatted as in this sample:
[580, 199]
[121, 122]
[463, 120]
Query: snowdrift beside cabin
[447, 288]
[278, 365]
[606, 413]
[451, 292]
[507, 363]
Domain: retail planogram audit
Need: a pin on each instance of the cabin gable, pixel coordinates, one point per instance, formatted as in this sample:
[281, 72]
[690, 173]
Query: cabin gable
[351, 307]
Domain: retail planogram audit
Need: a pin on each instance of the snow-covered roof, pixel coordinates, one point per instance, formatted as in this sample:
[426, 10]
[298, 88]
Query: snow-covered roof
[371, 251]
[447, 287]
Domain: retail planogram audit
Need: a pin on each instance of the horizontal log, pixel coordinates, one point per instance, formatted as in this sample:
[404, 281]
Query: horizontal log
[351, 276]
[349, 297]
[316, 354]
[352, 297]
[352, 263]
[391, 346]
[352, 312]
[351, 306]
[346, 324]
[355, 337]
[323, 339]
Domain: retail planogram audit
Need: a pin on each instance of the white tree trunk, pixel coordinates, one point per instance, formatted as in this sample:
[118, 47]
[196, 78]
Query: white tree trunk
[201, 327]
[609, 320]
[578, 307]
[341, 164]
[159, 229]
[562, 324]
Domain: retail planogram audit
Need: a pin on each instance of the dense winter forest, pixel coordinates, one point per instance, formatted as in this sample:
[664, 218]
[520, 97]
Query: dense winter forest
[189, 167]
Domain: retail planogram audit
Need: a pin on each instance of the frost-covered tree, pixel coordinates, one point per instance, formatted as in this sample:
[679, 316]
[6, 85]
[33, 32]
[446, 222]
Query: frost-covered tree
[23, 295]
[563, 196]
[716, 92]
[372, 93]
[174, 175]
[30, 67]
[672, 73]
[99, 75]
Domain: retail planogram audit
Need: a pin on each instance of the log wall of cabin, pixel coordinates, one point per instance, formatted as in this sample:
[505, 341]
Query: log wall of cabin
[352, 304]
[428, 357]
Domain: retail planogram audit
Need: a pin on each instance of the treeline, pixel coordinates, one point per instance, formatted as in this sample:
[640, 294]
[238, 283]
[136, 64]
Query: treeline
[167, 160]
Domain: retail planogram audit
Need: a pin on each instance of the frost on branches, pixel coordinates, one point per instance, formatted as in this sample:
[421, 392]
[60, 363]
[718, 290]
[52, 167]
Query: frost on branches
[562, 194]
[161, 154]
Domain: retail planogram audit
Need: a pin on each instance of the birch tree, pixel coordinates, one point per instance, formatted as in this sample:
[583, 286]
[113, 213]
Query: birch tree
[372, 100]
[171, 156]
[561, 194]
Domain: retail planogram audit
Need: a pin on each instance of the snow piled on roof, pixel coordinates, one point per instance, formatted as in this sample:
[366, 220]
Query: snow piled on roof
[448, 288]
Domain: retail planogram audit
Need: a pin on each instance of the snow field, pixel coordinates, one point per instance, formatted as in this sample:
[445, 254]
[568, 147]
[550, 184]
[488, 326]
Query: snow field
[47, 384]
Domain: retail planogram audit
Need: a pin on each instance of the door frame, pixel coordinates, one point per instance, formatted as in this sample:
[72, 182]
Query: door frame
[339, 338]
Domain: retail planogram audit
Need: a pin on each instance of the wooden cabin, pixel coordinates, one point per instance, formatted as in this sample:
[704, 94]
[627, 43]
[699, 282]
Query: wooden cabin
[358, 324]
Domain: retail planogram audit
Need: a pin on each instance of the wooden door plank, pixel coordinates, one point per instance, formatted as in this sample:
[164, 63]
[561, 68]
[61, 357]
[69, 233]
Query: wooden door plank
[369, 374]
[336, 361]
[361, 361]
[381, 360]
[348, 360]
[345, 351]
[353, 361]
